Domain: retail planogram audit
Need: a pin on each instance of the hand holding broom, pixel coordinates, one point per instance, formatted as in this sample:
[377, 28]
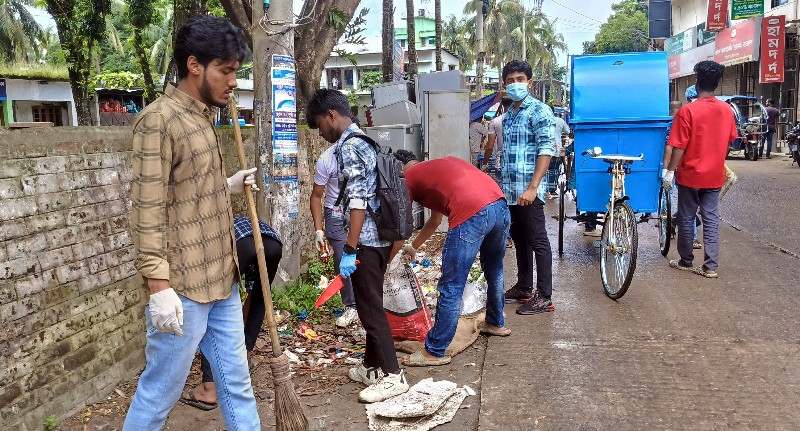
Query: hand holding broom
[289, 414]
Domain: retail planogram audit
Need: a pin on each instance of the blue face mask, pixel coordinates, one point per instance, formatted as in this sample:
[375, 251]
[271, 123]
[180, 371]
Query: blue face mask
[517, 91]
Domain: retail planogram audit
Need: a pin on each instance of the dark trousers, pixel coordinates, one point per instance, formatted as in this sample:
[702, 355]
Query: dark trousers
[768, 139]
[368, 289]
[530, 238]
[248, 266]
[707, 201]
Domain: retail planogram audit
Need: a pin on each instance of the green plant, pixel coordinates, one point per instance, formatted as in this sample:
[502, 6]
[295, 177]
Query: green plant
[50, 423]
[126, 80]
[318, 268]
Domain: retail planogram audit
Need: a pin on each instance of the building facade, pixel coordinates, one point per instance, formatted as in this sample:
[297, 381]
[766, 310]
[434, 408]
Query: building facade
[738, 47]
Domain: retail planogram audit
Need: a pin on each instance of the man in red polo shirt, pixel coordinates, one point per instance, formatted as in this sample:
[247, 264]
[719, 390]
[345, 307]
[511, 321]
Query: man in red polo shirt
[700, 134]
[478, 220]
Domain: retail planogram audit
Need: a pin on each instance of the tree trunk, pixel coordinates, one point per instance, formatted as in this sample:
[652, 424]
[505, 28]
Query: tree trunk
[240, 12]
[481, 54]
[183, 11]
[388, 40]
[79, 81]
[411, 35]
[437, 16]
[313, 44]
[144, 64]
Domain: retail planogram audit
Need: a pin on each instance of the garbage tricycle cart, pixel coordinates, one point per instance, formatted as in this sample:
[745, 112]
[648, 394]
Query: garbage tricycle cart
[619, 108]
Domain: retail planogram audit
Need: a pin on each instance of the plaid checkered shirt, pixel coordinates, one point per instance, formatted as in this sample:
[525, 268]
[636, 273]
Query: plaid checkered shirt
[359, 166]
[528, 132]
[243, 228]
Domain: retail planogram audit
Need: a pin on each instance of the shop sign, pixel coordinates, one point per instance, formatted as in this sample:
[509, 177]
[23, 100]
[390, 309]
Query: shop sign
[738, 44]
[746, 8]
[3, 89]
[679, 43]
[717, 15]
[704, 37]
[683, 64]
[773, 49]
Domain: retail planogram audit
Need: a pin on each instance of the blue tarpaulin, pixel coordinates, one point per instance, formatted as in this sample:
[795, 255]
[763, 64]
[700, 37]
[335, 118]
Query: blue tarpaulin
[480, 106]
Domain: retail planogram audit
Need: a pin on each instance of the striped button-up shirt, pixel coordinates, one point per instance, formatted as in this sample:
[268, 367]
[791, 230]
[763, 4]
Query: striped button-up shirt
[181, 216]
[528, 132]
[242, 228]
[358, 164]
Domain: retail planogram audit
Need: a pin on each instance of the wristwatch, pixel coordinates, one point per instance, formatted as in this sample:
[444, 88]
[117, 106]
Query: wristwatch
[348, 249]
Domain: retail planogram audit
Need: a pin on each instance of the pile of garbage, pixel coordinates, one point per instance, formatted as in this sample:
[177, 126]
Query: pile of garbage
[426, 405]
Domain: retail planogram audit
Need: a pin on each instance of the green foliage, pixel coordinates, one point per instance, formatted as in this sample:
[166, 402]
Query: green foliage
[370, 79]
[625, 31]
[19, 32]
[352, 31]
[52, 72]
[50, 423]
[300, 295]
[127, 80]
[456, 39]
[215, 8]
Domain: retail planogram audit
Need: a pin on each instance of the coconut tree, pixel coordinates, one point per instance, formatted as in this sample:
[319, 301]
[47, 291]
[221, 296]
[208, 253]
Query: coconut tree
[497, 26]
[161, 35]
[456, 39]
[19, 31]
[387, 37]
[437, 18]
[411, 36]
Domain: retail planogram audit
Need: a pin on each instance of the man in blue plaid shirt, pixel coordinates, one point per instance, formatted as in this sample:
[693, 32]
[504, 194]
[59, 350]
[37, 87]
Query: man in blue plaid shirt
[529, 144]
[329, 111]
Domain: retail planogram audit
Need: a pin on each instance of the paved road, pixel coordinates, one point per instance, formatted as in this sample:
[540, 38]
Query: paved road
[678, 351]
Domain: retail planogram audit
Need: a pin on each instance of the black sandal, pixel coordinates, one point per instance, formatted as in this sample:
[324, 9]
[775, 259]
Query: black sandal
[198, 404]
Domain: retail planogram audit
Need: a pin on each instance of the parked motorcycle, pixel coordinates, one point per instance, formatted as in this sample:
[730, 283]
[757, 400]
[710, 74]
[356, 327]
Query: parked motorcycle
[751, 129]
[793, 140]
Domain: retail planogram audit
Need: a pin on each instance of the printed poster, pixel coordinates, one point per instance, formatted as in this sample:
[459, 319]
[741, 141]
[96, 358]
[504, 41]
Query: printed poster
[284, 135]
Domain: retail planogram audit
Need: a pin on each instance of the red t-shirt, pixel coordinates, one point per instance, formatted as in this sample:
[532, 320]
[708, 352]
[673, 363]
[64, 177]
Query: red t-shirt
[452, 187]
[703, 129]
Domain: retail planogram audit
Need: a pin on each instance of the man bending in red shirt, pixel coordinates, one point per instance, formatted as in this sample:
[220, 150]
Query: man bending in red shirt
[699, 137]
[478, 220]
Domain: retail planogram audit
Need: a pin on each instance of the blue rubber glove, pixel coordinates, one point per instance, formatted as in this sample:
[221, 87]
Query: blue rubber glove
[347, 266]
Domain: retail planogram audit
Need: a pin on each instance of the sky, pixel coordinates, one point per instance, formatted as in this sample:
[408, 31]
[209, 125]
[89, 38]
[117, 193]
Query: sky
[577, 20]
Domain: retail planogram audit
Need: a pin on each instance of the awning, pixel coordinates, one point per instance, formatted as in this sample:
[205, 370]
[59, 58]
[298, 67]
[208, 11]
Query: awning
[480, 106]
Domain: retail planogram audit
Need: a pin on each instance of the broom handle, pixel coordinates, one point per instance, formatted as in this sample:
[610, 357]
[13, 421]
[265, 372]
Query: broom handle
[262, 261]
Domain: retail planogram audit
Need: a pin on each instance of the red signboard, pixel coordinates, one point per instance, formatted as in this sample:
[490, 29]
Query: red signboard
[674, 65]
[717, 15]
[738, 44]
[773, 49]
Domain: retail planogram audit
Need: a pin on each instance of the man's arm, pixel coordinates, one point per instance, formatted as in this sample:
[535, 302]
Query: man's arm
[545, 127]
[357, 217]
[487, 152]
[152, 163]
[429, 229]
[675, 158]
[317, 193]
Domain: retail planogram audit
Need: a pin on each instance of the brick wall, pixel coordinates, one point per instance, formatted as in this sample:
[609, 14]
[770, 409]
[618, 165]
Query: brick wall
[70, 302]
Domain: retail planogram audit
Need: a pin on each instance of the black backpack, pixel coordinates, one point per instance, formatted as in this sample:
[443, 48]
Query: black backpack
[394, 217]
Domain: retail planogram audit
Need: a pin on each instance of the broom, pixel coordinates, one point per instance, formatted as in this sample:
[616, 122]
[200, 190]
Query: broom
[289, 414]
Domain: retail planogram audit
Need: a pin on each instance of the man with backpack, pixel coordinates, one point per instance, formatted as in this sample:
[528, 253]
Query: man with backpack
[366, 252]
[478, 220]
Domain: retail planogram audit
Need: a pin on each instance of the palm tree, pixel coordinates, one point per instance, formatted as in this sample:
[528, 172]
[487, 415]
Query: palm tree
[411, 35]
[497, 26]
[456, 39]
[19, 31]
[161, 34]
[553, 42]
[388, 40]
[437, 17]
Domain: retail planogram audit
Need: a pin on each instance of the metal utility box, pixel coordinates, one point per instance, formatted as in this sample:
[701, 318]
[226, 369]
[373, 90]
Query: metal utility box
[397, 137]
[445, 123]
[437, 81]
[403, 112]
[389, 93]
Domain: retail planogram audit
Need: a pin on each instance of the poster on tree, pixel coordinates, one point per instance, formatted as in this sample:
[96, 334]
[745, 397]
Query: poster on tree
[742, 9]
[284, 135]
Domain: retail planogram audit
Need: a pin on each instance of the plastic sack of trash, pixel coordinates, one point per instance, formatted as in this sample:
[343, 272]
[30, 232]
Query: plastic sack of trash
[403, 303]
[474, 298]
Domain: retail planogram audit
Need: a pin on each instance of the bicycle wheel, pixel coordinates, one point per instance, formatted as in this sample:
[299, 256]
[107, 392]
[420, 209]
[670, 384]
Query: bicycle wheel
[562, 216]
[664, 221]
[618, 251]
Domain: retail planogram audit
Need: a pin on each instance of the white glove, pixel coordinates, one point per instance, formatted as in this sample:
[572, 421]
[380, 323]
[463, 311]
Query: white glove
[667, 177]
[321, 243]
[166, 311]
[244, 177]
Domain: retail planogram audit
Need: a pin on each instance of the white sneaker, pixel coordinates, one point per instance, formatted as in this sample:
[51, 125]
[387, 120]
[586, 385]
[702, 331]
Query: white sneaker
[391, 385]
[349, 316]
[367, 376]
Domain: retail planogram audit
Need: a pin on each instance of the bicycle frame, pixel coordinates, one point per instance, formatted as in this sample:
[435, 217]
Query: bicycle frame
[617, 193]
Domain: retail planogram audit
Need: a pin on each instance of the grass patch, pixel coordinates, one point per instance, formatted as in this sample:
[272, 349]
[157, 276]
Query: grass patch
[298, 296]
[34, 71]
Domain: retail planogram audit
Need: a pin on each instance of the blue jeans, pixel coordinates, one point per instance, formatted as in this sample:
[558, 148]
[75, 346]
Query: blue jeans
[217, 328]
[486, 231]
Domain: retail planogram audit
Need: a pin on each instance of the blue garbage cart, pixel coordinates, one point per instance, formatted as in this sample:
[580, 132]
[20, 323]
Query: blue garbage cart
[619, 113]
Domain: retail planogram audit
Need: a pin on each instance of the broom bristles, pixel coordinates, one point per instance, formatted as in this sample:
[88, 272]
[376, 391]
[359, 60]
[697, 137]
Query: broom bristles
[289, 414]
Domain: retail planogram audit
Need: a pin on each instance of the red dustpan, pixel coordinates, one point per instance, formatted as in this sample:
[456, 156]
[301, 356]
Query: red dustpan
[333, 288]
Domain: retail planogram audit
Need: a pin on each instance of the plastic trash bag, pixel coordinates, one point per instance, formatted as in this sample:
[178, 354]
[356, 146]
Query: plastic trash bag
[403, 302]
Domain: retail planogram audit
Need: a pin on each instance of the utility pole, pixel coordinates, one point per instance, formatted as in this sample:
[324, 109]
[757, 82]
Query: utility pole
[524, 37]
[481, 54]
[279, 199]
